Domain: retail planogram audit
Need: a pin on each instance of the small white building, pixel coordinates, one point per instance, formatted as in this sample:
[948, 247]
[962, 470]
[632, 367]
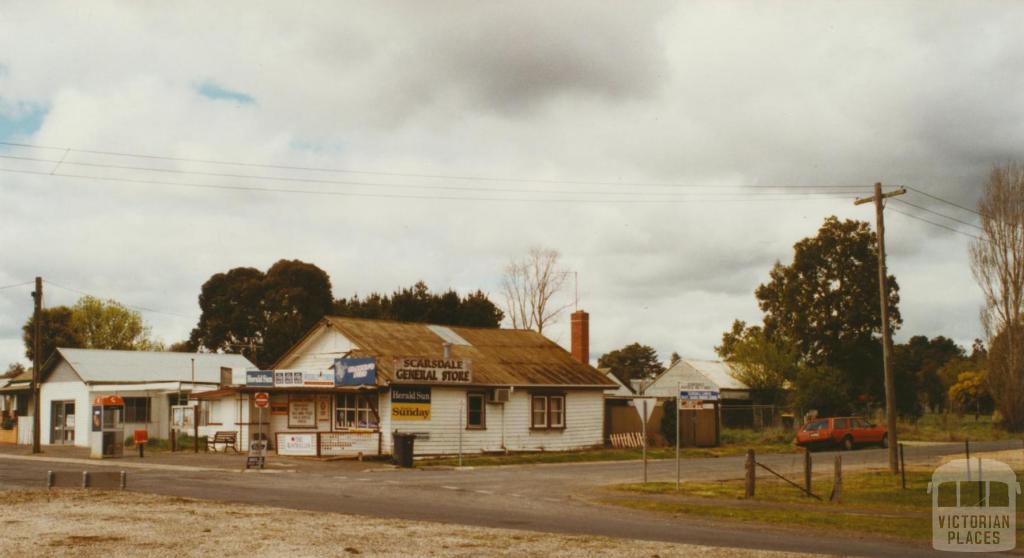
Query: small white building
[714, 374]
[150, 382]
[481, 389]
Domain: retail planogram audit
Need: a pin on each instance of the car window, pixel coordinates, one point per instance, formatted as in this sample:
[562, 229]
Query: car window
[861, 423]
[816, 425]
[839, 424]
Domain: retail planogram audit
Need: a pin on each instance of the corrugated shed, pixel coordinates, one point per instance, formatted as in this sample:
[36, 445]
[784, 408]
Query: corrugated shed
[498, 356]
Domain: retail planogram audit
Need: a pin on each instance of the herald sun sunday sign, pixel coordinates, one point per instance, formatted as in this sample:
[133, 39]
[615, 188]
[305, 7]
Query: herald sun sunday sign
[420, 370]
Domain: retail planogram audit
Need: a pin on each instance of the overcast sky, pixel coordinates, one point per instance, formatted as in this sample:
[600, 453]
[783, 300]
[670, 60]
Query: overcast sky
[627, 130]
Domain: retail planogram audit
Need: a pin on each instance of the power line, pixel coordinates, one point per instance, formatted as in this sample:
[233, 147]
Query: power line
[139, 308]
[409, 186]
[919, 218]
[15, 285]
[421, 175]
[940, 214]
[781, 197]
[937, 198]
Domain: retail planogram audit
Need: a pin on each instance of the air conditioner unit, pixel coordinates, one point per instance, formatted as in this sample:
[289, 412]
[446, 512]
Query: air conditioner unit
[501, 395]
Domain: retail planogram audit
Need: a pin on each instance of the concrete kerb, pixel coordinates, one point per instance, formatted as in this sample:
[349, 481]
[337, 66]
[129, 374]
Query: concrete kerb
[116, 463]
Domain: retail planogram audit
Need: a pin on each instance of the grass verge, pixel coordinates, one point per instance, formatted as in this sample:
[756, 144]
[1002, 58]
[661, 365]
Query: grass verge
[609, 454]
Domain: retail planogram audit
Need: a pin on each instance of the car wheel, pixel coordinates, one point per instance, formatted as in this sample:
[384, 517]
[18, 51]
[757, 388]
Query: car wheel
[885, 441]
[847, 443]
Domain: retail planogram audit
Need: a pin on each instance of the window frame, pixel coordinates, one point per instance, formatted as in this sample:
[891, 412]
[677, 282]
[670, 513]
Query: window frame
[548, 424]
[135, 401]
[359, 406]
[483, 410]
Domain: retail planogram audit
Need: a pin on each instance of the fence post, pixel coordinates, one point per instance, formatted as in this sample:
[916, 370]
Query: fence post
[807, 470]
[85, 479]
[49, 479]
[837, 481]
[124, 480]
[751, 473]
[903, 468]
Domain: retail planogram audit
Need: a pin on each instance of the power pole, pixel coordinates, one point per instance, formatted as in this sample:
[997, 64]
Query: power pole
[883, 294]
[37, 297]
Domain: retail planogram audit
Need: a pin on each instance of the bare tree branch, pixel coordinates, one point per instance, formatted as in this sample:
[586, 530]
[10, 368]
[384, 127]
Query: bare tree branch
[530, 286]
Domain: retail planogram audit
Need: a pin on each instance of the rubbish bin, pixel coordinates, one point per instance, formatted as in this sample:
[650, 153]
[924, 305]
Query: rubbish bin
[403, 445]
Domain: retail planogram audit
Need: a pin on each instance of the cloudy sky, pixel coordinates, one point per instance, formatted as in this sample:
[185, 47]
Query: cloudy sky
[644, 141]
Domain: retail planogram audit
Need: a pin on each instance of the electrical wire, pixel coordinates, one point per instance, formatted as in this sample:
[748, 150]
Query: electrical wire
[786, 197]
[939, 214]
[937, 198]
[479, 178]
[16, 285]
[139, 308]
[391, 185]
[919, 218]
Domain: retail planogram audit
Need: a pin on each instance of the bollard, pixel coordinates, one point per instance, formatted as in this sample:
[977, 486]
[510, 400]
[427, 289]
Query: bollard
[124, 480]
[49, 480]
[903, 468]
[807, 471]
[837, 481]
[751, 473]
[85, 479]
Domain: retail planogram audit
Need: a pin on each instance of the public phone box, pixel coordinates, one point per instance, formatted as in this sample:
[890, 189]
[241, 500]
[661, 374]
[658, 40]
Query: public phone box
[107, 436]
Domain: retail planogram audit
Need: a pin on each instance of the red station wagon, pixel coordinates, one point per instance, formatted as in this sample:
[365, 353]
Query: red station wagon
[844, 432]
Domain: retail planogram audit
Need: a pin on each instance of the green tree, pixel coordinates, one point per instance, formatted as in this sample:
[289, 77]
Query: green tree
[825, 305]
[1005, 374]
[419, 304]
[917, 363]
[56, 330]
[14, 369]
[763, 363]
[822, 388]
[632, 362]
[669, 416]
[261, 315]
[110, 325]
[674, 359]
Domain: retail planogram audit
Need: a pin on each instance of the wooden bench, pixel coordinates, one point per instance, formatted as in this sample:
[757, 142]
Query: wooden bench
[227, 437]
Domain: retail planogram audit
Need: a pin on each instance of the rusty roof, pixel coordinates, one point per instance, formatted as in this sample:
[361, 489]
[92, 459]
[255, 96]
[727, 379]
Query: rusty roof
[497, 356]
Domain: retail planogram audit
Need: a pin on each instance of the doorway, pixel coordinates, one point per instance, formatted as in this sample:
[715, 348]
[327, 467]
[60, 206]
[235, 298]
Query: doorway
[62, 422]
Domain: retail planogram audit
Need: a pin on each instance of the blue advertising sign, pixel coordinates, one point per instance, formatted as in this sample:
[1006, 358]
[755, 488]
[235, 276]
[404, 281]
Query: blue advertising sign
[355, 371]
[259, 378]
[698, 395]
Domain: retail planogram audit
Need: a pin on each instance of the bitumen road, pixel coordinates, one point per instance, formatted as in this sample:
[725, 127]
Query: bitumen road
[547, 498]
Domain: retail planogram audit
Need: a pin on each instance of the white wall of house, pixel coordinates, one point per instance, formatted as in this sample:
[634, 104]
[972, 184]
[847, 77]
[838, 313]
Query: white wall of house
[319, 351]
[64, 384]
[507, 426]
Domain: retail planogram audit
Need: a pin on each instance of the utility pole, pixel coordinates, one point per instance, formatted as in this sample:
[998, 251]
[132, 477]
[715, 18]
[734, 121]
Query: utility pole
[37, 297]
[883, 294]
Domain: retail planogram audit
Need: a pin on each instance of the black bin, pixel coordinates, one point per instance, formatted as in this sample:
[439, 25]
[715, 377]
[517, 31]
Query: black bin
[402, 453]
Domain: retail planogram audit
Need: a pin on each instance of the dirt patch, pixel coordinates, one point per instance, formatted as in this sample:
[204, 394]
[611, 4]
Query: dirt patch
[113, 524]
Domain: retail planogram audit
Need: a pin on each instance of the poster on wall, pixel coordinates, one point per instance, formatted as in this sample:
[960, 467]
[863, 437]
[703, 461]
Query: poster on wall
[355, 371]
[259, 378]
[323, 408]
[296, 444]
[410, 403]
[301, 412]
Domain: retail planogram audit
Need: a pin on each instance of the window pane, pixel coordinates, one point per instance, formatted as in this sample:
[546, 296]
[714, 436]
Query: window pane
[475, 410]
[540, 411]
[839, 424]
[557, 411]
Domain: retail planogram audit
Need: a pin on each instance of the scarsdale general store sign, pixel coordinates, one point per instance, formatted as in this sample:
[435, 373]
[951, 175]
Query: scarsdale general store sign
[418, 370]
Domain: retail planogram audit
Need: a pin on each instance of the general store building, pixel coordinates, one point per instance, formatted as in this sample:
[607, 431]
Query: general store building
[350, 384]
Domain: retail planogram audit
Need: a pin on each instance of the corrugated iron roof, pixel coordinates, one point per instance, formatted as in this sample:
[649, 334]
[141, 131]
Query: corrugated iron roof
[100, 365]
[498, 356]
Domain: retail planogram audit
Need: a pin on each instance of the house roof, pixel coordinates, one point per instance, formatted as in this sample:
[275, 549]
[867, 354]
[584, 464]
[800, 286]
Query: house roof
[498, 356]
[717, 373]
[21, 382]
[106, 366]
[624, 390]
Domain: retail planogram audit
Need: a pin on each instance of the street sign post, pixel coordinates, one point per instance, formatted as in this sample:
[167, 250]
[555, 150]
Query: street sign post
[258, 449]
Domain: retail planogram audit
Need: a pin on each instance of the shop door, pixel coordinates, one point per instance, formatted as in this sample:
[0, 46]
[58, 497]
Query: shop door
[62, 422]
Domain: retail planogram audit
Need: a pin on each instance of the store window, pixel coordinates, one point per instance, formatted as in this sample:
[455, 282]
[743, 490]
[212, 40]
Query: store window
[476, 411]
[547, 411]
[353, 411]
[136, 409]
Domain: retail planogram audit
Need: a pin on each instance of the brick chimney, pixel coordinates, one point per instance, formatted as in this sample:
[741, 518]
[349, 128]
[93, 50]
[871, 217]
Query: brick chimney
[580, 323]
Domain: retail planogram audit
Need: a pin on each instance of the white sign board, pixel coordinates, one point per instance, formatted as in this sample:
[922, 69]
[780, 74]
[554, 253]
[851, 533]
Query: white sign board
[651, 403]
[420, 370]
[296, 444]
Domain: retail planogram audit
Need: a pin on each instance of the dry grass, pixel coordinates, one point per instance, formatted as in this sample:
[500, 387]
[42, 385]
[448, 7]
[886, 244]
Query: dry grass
[113, 524]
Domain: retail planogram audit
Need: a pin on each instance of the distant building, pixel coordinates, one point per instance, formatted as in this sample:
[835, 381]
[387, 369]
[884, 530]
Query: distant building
[712, 373]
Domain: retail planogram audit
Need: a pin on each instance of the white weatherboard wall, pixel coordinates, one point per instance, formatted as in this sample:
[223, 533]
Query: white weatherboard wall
[64, 385]
[584, 424]
[319, 352]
